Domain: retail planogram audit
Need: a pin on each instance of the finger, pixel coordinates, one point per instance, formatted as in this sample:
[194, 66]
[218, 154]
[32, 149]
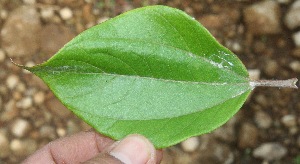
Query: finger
[73, 149]
[132, 149]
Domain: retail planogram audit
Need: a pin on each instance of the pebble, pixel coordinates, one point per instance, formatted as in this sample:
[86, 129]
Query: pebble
[10, 111]
[270, 151]
[296, 38]
[2, 55]
[263, 18]
[29, 2]
[4, 142]
[66, 13]
[23, 22]
[248, 136]
[254, 74]
[24, 103]
[190, 145]
[61, 132]
[47, 131]
[289, 120]
[21, 87]
[11, 81]
[292, 18]
[226, 133]
[20, 127]
[211, 151]
[3, 14]
[54, 37]
[295, 66]
[39, 98]
[271, 67]
[47, 13]
[23, 148]
[263, 120]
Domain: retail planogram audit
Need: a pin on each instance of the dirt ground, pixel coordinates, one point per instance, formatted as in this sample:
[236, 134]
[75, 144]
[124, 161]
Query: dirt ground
[263, 34]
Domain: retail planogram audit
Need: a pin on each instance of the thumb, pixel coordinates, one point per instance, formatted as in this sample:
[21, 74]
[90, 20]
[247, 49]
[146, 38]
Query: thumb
[134, 149]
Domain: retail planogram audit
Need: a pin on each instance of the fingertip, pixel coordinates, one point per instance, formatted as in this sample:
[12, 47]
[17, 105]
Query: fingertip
[134, 149]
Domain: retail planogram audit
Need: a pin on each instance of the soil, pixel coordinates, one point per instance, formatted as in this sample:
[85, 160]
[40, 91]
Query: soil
[31, 116]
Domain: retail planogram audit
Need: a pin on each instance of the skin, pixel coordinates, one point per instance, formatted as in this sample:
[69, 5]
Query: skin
[90, 147]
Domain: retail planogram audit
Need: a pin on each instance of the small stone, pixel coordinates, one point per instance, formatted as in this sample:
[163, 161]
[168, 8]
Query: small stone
[20, 127]
[3, 14]
[12, 81]
[254, 74]
[270, 151]
[292, 18]
[23, 148]
[39, 98]
[248, 136]
[190, 145]
[24, 103]
[61, 132]
[2, 55]
[296, 38]
[263, 120]
[295, 66]
[227, 132]
[4, 144]
[54, 37]
[66, 13]
[271, 67]
[263, 18]
[289, 120]
[211, 151]
[47, 131]
[47, 13]
[29, 2]
[10, 111]
[21, 87]
[23, 22]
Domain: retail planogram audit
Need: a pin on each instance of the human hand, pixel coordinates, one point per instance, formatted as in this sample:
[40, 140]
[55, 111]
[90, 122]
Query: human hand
[91, 147]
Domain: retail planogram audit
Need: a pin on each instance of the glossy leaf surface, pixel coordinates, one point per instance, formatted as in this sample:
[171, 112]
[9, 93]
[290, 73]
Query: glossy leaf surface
[154, 71]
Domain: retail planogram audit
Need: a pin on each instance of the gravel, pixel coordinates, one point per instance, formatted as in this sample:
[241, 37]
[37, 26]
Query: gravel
[292, 18]
[295, 66]
[263, 120]
[190, 145]
[66, 13]
[12, 81]
[248, 136]
[23, 22]
[270, 151]
[20, 127]
[263, 18]
[289, 120]
[296, 38]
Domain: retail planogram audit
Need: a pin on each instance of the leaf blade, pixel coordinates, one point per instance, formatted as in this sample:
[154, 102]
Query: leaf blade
[142, 72]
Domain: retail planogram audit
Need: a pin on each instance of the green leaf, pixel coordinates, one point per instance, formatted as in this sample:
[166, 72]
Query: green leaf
[154, 71]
